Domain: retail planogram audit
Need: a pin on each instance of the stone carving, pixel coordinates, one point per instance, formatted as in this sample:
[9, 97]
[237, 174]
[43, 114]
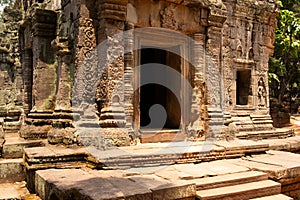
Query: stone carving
[261, 93]
[86, 60]
[167, 18]
[10, 67]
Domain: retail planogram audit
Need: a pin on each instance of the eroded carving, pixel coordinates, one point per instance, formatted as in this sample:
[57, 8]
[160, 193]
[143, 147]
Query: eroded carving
[168, 18]
[261, 92]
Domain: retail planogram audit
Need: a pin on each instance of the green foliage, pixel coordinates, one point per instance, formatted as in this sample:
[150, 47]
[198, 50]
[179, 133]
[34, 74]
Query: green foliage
[7, 2]
[3, 4]
[284, 71]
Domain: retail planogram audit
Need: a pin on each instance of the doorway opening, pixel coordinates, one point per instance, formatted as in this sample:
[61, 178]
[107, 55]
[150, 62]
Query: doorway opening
[151, 94]
[243, 87]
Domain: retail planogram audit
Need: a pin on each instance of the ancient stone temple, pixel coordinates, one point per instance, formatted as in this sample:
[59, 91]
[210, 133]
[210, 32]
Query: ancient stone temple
[81, 70]
[141, 99]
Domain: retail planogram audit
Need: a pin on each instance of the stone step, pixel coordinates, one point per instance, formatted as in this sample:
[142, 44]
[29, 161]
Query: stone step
[148, 136]
[13, 146]
[11, 170]
[230, 179]
[15, 191]
[274, 197]
[266, 134]
[242, 191]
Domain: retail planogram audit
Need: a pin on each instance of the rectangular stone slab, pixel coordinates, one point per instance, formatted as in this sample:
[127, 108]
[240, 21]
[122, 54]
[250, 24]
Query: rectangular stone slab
[274, 197]
[242, 191]
[274, 171]
[65, 183]
[11, 170]
[230, 179]
[12, 191]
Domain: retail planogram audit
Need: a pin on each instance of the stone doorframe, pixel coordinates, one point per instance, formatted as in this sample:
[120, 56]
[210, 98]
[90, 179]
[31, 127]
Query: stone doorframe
[162, 38]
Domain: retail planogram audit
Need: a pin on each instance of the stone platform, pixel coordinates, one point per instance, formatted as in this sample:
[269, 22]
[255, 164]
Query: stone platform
[222, 179]
[150, 154]
[217, 169]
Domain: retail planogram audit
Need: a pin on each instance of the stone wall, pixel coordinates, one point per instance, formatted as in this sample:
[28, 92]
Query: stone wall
[11, 82]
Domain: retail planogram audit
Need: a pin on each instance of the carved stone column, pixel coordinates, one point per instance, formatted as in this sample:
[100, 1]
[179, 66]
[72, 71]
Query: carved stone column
[39, 119]
[196, 125]
[128, 76]
[110, 93]
[213, 73]
[62, 127]
[27, 77]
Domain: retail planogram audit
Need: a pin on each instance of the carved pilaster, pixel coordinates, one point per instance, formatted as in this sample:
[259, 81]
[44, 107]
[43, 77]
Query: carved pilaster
[62, 126]
[63, 97]
[27, 74]
[128, 75]
[196, 126]
[44, 66]
[113, 92]
[39, 119]
[87, 70]
[213, 73]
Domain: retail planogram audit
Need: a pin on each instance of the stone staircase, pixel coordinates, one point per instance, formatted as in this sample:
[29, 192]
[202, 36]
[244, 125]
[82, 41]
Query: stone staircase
[12, 170]
[212, 180]
[258, 127]
[266, 134]
[158, 183]
[239, 186]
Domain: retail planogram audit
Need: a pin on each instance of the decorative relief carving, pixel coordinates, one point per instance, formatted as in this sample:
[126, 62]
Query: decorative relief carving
[213, 76]
[86, 59]
[168, 18]
[261, 92]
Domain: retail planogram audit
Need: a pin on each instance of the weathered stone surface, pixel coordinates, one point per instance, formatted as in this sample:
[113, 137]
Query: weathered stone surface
[230, 179]
[174, 190]
[152, 154]
[14, 191]
[10, 69]
[55, 157]
[62, 69]
[242, 191]
[65, 183]
[35, 132]
[280, 166]
[13, 147]
[274, 197]
[11, 170]
[62, 136]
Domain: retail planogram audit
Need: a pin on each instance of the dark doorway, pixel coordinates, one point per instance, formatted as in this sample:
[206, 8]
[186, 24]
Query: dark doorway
[243, 87]
[152, 94]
